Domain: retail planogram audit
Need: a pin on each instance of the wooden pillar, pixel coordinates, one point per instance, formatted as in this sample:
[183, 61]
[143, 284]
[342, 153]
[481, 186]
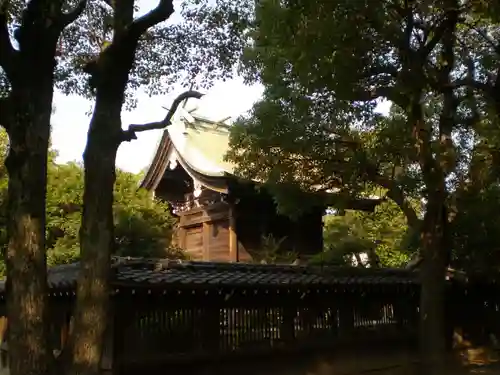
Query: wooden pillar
[233, 238]
[206, 240]
[4, 355]
[181, 238]
[3, 328]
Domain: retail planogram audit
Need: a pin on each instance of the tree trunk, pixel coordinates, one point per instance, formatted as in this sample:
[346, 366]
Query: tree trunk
[432, 298]
[96, 238]
[97, 231]
[109, 76]
[29, 129]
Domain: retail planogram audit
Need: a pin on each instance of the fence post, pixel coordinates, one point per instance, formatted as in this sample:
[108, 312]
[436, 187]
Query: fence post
[287, 327]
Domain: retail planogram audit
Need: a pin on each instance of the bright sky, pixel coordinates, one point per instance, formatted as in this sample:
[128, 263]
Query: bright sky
[70, 120]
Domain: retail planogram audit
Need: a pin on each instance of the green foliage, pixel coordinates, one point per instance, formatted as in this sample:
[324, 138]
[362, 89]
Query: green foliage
[326, 65]
[303, 131]
[143, 226]
[476, 244]
[203, 44]
[382, 233]
[270, 251]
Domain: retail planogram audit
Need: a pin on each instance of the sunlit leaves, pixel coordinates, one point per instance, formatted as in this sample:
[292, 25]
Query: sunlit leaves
[143, 226]
[202, 45]
[383, 231]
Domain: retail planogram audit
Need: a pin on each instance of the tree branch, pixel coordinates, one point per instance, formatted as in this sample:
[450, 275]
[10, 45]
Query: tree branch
[469, 82]
[7, 52]
[130, 133]
[67, 18]
[447, 118]
[29, 16]
[162, 12]
[495, 46]
[449, 22]
[4, 107]
[410, 23]
[376, 70]
[394, 192]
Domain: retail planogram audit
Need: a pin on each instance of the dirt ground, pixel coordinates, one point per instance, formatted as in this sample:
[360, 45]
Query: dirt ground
[485, 370]
[469, 370]
[372, 360]
[412, 369]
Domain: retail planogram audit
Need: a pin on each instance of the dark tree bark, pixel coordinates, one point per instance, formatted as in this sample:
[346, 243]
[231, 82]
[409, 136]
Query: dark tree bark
[433, 282]
[96, 237]
[29, 129]
[109, 76]
[435, 244]
[25, 114]
[433, 252]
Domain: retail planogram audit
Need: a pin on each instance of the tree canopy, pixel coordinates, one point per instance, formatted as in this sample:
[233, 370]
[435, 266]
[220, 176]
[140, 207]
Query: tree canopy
[327, 65]
[318, 124]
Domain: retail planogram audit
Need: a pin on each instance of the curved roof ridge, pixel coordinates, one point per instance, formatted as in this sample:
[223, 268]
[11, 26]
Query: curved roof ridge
[193, 150]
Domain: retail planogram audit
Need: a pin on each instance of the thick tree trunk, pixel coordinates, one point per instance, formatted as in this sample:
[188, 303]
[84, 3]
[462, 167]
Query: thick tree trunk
[29, 129]
[26, 115]
[432, 298]
[96, 239]
[109, 76]
[97, 231]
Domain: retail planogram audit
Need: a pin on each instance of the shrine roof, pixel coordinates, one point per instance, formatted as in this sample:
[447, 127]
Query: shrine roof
[199, 146]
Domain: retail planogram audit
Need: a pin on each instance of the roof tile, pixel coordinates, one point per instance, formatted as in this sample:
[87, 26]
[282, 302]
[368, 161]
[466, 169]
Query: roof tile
[154, 273]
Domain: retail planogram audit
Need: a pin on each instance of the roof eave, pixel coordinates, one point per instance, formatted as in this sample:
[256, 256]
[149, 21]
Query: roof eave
[158, 165]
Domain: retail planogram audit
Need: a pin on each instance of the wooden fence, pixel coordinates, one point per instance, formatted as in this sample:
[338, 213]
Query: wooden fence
[198, 325]
[202, 325]
[198, 313]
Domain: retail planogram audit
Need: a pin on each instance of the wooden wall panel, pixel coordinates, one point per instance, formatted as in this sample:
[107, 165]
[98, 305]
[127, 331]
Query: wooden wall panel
[194, 242]
[206, 241]
[243, 255]
[219, 241]
[233, 237]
